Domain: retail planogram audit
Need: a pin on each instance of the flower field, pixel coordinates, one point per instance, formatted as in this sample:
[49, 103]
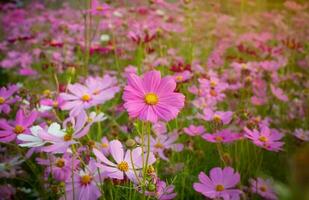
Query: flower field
[154, 99]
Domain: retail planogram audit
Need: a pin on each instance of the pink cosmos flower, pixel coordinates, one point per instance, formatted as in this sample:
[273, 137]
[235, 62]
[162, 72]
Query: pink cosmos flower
[98, 8]
[279, 94]
[194, 130]
[266, 138]
[219, 184]
[95, 91]
[6, 98]
[103, 146]
[7, 191]
[85, 184]
[182, 76]
[301, 134]
[224, 136]
[60, 167]
[60, 139]
[10, 129]
[216, 116]
[263, 188]
[151, 97]
[122, 164]
[163, 191]
[163, 142]
[51, 103]
[159, 128]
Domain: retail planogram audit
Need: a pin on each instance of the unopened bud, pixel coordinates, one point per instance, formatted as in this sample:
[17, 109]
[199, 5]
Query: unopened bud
[130, 143]
[151, 187]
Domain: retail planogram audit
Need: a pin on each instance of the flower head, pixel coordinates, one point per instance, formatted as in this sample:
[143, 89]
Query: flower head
[6, 98]
[223, 136]
[219, 184]
[266, 138]
[123, 161]
[263, 188]
[194, 130]
[10, 129]
[151, 97]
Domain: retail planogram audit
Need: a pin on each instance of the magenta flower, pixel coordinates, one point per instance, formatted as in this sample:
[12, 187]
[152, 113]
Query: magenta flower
[6, 98]
[159, 128]
[96, 91]
[263, 188]
[266, 138]
[9, 130]
[194, 130]
[51, 103]
[163, 191]
[216, 116]
[151, 97]
[220, 184]
[60, 167]
[122, 164]
[278, 93]
[103, 146]
[223, 136]
[182, 76]
[85, 184]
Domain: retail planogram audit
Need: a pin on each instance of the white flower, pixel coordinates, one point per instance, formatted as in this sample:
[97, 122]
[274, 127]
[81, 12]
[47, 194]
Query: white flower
[31, 140]
[44, 108]
[94, 117]
[55, 129]
[105, 38]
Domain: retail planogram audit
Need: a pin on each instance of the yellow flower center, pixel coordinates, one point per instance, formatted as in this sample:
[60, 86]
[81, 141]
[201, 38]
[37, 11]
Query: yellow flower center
[60, 163]
[219, 188]
[19, 129]
[86, 179]
[263, 188]
[47, 93]
[179, 78]
[55, 104]
[2, 100]
[218, 138]
[159, 145]
[244, 66]
[100, 8]
[67, 137]
[217, 119]
[104, 145]
[263, 139]
[213, 83]
[151, 99]
[86, 97]
[213, 93]
[123, 166]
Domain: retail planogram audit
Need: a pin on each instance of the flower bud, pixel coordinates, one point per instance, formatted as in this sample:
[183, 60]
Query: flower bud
[151, 187]
[130, 143]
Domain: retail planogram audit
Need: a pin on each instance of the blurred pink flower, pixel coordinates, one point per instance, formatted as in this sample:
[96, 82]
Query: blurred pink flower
[95, 91]
[6, 98]
[266, 138]
[263, 188]
[216, 116]
[279, 94]
[10, 129]
[193, 130]
[224, 136]
[219, 184]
